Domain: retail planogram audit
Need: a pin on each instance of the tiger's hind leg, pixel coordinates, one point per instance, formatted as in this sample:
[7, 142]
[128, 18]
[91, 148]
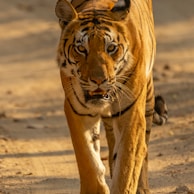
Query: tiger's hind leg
[143, 185]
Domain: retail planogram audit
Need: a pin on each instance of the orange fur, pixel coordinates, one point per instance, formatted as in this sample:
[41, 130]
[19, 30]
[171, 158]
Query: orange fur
[105, 55]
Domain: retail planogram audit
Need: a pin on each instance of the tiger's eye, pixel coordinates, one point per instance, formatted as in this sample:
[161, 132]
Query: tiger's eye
[81, 49]
[112, 48]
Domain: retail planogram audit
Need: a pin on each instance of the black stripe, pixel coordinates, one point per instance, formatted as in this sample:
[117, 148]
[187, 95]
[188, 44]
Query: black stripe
[124, 111]
[69, 50]
[85, 29]
[64, 64]
[68, 59]
[99, 19]
[110, 37]
[105, 28]
[80, 4]
[95, 21]
[118, 38]
[126, 63]
[65, 42]
[80, 114]
[122, 59]
[85, 22]
[78, 97]
[149, 113]
[120, 113]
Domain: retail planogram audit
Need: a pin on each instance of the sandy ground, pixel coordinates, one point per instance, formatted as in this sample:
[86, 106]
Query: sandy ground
[36, 154]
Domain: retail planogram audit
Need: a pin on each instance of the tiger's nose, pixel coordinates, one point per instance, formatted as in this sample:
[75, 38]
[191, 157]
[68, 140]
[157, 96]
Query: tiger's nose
[98, 80]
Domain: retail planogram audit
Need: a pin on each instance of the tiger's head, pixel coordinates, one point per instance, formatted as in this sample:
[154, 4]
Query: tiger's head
[94, 50]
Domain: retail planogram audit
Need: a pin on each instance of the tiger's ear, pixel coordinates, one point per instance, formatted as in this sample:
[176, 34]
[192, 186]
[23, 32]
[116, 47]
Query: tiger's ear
[121, 9]
[65, 11]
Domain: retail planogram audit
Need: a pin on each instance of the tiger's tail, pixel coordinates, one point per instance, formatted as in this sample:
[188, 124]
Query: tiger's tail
[160, 115]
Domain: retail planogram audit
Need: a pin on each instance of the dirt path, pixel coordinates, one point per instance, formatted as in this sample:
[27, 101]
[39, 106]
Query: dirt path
[36, 154]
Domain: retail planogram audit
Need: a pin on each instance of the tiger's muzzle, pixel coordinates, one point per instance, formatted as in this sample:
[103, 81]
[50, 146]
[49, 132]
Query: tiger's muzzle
[97, 94]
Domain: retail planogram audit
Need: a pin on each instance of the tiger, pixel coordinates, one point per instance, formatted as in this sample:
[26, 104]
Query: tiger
[105, 55]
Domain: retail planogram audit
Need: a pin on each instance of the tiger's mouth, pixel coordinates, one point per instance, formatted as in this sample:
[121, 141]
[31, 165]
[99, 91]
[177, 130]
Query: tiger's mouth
[98, 94]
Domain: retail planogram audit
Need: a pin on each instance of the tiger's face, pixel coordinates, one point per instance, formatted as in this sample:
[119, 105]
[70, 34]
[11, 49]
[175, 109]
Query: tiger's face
[95, 53]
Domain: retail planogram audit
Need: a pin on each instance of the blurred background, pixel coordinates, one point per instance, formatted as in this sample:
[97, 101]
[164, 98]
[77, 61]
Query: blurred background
[36, 154]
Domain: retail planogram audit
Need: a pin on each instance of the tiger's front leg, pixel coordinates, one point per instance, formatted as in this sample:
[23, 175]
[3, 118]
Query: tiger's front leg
[85, 137]
[130, 149]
